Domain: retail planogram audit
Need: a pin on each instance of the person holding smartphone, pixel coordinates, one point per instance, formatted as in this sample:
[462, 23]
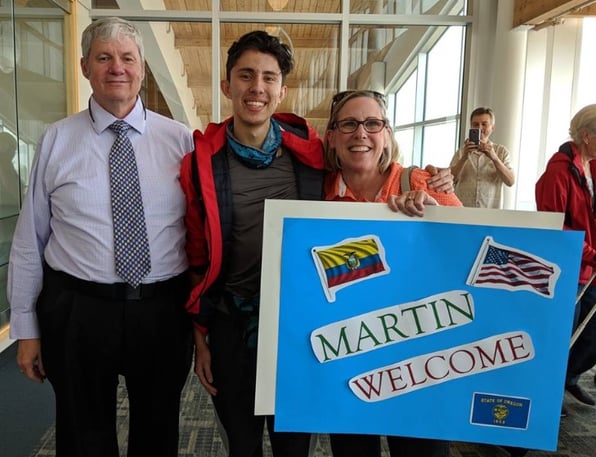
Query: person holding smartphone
[481, 167]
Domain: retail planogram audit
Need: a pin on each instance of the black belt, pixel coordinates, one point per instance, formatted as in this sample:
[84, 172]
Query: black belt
[118, 290]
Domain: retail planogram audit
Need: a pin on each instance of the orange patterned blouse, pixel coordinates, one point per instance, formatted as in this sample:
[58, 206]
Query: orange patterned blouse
[337, 190]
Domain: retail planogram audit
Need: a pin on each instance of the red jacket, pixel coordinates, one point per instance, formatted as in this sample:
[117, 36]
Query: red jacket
[562, 188]
[205, 237]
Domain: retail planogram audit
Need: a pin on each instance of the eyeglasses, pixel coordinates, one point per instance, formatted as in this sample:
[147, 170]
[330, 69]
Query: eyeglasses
[371, 125]
[341, 95]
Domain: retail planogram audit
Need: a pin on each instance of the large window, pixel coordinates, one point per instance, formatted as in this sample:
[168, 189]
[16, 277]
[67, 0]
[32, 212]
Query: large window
[426, 102]
[32, 95]
[365, 48]
[559, 74]
[587, 64]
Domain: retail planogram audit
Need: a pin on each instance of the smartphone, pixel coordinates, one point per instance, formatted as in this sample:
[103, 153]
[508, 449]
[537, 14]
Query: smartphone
[474, 136]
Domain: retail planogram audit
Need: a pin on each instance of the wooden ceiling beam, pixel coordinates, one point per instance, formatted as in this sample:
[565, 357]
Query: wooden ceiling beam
[534, 12]
[204, 83]
[586, 11]
[315, 43]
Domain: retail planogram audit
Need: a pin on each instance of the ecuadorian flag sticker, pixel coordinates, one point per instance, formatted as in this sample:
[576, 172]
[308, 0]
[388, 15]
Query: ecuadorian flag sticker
[350, 261]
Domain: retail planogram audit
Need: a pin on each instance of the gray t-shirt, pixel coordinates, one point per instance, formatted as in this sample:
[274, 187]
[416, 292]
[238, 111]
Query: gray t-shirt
[250, 188]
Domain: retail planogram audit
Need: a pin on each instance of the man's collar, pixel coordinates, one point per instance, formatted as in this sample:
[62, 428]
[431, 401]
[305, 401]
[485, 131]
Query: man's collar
[102, 119]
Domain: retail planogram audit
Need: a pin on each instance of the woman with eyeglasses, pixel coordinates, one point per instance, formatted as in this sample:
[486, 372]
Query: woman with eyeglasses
[361, 153]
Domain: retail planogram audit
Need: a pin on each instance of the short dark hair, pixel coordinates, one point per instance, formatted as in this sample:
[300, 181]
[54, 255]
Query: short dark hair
[483, 110]
[261, 41]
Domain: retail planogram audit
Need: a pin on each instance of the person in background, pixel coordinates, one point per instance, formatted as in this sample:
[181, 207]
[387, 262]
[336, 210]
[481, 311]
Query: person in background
[97, 278]
[567, 186]
[480, 169]
[254, 155]
[10, 184]
[361, 154]
[10, 191]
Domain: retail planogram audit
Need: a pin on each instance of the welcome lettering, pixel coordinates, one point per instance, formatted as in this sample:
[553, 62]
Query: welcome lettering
[498, 351]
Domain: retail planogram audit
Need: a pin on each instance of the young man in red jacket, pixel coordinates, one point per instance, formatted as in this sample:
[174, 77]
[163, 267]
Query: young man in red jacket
[237, 164]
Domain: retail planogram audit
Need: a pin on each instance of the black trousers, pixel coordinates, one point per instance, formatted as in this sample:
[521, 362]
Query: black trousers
[88, 341]
[410, 447]
[582, 355]
[351, 445]
[233, 365]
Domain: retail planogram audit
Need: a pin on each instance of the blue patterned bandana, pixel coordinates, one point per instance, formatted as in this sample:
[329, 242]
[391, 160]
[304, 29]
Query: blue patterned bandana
[255, 157]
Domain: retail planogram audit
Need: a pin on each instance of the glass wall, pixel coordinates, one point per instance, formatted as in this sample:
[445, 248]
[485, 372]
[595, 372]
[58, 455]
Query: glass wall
[426, 106]
[397, 47]
[10, 182]
[32, 95]
[375, 45]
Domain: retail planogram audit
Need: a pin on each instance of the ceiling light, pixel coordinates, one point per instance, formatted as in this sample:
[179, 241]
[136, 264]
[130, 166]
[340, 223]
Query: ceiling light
[273, 30]
[277, 5]
[279, 32]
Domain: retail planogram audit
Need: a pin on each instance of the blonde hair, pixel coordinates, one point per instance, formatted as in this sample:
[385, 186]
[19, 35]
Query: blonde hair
[390, 153]
[584, 119]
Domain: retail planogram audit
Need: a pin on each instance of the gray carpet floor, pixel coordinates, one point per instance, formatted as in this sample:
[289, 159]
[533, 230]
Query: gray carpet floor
[200, 436]
[26, 408]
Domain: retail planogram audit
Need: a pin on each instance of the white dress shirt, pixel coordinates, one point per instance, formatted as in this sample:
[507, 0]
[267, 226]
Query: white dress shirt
[66, 218]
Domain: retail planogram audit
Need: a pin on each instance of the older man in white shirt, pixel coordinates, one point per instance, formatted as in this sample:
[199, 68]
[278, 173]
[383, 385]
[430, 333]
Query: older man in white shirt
[80, 318]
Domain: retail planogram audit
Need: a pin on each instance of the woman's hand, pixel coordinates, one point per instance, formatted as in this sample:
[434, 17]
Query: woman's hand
[411, 203]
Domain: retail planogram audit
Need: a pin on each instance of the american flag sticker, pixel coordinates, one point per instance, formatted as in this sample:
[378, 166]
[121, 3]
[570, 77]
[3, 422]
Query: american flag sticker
[502, 267]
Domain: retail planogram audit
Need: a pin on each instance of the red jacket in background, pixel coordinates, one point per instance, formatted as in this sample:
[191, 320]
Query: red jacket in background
[562, 188]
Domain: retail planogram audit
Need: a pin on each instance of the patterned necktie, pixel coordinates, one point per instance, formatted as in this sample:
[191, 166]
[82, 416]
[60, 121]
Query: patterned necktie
[131, 245]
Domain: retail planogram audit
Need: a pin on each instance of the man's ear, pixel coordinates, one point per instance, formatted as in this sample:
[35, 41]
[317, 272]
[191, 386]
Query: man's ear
[225, 87]
[84, 68]
[283, 93]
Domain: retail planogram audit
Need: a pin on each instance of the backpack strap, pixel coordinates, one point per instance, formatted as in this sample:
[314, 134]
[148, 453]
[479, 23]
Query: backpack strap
[197, 188]
[405, 178]
[195, 173]
[565, 148]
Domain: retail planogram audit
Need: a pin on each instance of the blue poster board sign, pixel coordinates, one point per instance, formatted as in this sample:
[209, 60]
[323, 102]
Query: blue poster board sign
[423, 328]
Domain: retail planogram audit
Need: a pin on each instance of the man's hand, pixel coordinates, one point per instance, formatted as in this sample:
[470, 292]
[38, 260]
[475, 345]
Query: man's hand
[469, 147]
[505, 172]
[203, 362]
[29, 359]
[441, 179]
[487, 148]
